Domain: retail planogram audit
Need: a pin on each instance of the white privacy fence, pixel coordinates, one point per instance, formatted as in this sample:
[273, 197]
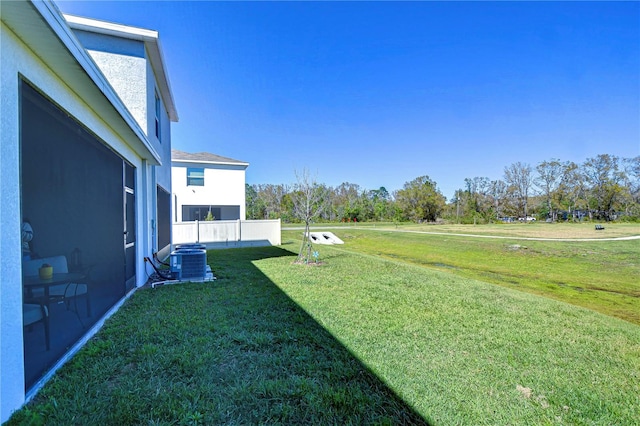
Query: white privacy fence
[228, 233]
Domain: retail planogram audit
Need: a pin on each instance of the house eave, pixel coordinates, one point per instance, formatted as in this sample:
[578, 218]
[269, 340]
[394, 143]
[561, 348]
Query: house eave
[151, 41]
[42, 27]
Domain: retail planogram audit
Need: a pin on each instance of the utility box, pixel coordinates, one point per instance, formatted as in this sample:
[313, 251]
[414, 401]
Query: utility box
[188, 264]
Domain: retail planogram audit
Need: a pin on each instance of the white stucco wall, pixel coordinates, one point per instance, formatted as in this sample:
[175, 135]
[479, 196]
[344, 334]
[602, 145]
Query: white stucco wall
[18, 59]
[162, 146]
[224, 185]
[126, 65]
[11, 349]
[157, 175]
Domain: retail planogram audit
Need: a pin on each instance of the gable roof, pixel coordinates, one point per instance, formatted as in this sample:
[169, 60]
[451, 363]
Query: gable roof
[41, 26]
[204, 157]
[151, 41]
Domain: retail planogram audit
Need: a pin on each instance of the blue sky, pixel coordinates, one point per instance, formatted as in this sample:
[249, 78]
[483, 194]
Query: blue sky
[379, 93]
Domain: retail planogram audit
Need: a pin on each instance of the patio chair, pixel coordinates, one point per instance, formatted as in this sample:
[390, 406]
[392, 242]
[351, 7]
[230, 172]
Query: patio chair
[33, 313]
[66, 292]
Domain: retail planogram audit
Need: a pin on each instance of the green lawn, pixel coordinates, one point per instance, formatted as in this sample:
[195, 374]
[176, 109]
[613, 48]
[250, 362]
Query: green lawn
[235, 351]
[466, 352]
[600, 275]
[359, 339]
[582, 230]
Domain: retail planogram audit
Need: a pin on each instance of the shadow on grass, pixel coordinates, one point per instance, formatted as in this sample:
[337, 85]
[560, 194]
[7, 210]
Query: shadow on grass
[234, 351]
[300, 364]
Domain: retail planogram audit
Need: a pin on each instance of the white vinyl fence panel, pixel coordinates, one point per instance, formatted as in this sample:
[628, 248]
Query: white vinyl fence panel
[232, 233]
[218, 231]
[261, 230]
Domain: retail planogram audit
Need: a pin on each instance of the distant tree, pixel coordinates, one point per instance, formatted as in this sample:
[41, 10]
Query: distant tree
[287, 208]
[420, 199]
[603, 175]
[497, 192]
[380, 202]
[458, 205]
[254, 204]
[326, 215]
[570, 193]
[601, 186]
[632, 186]
[518, 179]
[381, 193]
[309, 201]
[347, 201]
[547, 181]
[272, 197]
[478, 201]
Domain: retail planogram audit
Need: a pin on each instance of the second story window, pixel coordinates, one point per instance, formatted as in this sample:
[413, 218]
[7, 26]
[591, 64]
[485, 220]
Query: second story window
[195, 176]
[158, 127]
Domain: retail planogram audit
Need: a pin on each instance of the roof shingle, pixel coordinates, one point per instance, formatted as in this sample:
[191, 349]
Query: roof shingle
[203, 157]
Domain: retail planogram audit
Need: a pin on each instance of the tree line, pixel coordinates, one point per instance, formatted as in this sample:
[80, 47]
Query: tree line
[605, 187]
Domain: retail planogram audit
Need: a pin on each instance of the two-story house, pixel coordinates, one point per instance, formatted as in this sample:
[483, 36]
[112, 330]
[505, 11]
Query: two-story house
[207, 186]
[85, 176]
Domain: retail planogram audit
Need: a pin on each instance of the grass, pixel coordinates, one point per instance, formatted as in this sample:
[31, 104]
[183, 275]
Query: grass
[583, 230]
[599, 275]
[466, 352]
[537, 229]
[359, 339]
[236, 351]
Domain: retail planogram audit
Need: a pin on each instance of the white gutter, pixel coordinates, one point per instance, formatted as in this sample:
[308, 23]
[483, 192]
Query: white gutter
[223, 163]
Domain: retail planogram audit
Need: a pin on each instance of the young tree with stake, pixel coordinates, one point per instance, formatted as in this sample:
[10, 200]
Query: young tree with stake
[309, 202]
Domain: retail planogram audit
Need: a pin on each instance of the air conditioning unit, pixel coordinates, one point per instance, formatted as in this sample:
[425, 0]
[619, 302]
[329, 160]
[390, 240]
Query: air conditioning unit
[188, 264]
[191, 246]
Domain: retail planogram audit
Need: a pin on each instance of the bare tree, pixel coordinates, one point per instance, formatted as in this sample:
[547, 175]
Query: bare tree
[518, 178]
[309, 201]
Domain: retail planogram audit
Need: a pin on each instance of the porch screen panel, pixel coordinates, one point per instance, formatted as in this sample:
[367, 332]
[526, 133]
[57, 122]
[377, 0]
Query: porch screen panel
[164, 218]
[72, 196]
[130, 226]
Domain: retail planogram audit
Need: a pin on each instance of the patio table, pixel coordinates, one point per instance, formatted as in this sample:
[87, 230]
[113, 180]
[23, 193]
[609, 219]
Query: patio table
[31, 282]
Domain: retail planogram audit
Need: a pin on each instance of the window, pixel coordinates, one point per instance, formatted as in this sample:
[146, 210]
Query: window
[158, 117]
[191, 212]
[195, 177]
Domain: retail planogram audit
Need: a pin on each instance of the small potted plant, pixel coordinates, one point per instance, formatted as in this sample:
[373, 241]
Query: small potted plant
[45, 271]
